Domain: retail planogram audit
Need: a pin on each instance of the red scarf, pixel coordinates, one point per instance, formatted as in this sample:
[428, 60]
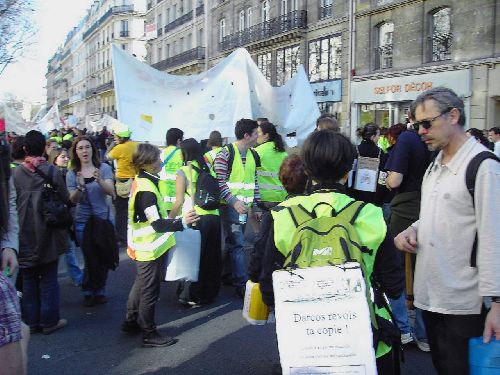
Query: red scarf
[32, 162]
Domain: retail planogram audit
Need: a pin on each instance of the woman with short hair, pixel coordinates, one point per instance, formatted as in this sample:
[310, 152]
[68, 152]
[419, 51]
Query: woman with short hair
[150, 236]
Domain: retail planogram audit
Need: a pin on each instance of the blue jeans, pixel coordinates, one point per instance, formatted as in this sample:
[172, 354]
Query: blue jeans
[72, 266]
[40, 300]
[400, 312]
[92, 274]
[234, 245]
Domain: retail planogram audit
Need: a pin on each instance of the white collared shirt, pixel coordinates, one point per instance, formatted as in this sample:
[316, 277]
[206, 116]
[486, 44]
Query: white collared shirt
[444, 280]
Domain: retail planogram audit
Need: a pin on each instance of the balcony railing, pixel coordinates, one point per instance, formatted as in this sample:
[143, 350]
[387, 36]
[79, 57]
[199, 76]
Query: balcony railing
[64, 102]
[184, 18]
[325, 12]
[124, 33]
[109, 13]
[265, 30]
[194, 54]
[104, 87]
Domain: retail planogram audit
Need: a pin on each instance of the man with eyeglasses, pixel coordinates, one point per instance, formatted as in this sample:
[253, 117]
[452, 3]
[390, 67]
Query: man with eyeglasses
[449, 287]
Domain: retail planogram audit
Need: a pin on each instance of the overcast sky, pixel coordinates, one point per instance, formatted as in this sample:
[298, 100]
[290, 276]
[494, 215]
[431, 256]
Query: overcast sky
[54, 19]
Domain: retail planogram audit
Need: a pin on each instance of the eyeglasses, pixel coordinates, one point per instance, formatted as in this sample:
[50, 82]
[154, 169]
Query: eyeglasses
[426, 124]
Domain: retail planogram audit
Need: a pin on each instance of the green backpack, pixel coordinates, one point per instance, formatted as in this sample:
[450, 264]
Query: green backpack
[326, 240]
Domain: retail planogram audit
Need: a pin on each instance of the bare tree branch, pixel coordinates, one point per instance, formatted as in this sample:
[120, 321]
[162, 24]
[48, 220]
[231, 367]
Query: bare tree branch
[17, 30]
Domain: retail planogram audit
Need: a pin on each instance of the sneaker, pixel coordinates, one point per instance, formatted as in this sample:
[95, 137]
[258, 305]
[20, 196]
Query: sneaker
[406, 338]
[423, 345]
[131, 326]
[100, 300]
[88, 301]
[60, 324]
[154, 339]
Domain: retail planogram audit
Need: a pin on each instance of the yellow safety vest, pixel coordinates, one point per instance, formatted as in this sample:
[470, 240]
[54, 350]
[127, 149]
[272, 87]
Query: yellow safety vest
[270, 187]
[187, 195]
[144, 243]
[369, 224]
[168, 174]
[241, 181]
[210, 156]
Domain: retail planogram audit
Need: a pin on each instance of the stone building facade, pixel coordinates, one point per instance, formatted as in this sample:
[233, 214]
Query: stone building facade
[405, 47]
[398, 49]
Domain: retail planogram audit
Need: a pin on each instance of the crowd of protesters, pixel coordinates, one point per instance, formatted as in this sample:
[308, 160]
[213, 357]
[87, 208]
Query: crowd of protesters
[146, 195]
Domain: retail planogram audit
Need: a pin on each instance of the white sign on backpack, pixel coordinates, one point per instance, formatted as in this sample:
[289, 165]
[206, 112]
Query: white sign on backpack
[323, 321]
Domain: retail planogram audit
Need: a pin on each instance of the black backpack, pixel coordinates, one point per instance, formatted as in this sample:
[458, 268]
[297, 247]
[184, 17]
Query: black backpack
[55, 210]
[207, 194]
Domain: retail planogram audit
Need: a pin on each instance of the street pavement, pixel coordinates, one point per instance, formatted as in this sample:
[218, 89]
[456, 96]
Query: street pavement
[213, 339]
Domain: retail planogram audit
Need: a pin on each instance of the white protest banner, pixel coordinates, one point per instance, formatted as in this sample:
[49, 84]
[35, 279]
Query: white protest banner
[323, 321]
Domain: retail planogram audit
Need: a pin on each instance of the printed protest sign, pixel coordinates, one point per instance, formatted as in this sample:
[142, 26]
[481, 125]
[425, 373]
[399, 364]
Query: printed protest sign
[367, 174]
[323, 321]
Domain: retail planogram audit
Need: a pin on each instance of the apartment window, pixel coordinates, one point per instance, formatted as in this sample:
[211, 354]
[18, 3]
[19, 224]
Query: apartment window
[241, 25]
[249, 17]
[167, 51]
[294, 5]
[158, 59]
[174, 48]
[222, 29]
[264, 11]
[287, 63]
[325, 58]
[283, 7]
[124, 47]
[189, 42]
[325, 9]
[167, 21]
[124, 24]
[181, 45]
[384, 46]
[264, 62]
[201, 40]
[441, 36]
[181, 9]
[159, 20]
[174, 13]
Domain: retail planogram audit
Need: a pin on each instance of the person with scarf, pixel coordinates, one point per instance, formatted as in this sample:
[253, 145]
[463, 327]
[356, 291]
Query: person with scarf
[39, 245]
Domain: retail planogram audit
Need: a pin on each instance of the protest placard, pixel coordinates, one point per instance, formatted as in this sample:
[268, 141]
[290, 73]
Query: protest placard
[323, 321]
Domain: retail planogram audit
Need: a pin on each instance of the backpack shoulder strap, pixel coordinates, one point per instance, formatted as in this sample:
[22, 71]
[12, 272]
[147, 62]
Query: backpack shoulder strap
[351, 211]
[230, 150]
[472, 169]
[167, 159]
[256, 157]
[470, 183]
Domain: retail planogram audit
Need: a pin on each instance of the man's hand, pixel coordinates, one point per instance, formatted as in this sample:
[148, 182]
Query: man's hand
[492, 324]
[9, 259]
[407, 240]
[191, 217]
[240, 207]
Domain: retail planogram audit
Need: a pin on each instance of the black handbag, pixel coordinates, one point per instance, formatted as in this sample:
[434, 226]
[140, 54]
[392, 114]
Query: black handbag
[55, 209]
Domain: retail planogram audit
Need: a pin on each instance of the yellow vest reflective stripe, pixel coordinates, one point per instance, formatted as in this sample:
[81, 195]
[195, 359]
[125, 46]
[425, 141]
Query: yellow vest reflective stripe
[270, 187]
[187, 194]
[144, 243]
[241, 181]
[168, 175]
[369, 224]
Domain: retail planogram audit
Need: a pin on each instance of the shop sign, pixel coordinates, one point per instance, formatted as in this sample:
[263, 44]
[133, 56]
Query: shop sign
[409, 87]
[328, 91]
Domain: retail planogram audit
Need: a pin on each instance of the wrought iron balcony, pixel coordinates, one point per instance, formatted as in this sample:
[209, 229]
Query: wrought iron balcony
[104, 87]
[114, 10]
[184, 18]
[124, 33]
[64, 102]
[194, 54]
[326, 11]
[265, 30]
